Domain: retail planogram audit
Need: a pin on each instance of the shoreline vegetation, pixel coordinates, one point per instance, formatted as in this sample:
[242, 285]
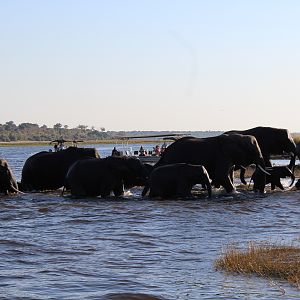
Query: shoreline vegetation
[88, 142]
[33, 134]
[263, 259]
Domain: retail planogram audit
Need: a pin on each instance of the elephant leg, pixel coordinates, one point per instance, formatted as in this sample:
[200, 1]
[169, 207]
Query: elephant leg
[153, 193]
[105, 192]
[228, 185]
[145, 190]
[242, 175]
[231, 173]
[119, 190]
[278, 183]
[273, 186]
[223, 177]
[183, 189]
[78, 191]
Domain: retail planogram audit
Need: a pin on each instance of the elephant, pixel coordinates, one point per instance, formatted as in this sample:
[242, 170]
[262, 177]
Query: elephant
[218, 155]
[131, 181]
[176, 180]
[94, 177]
[276, 172]
[47, 170]
[8, 183]
[271, 141]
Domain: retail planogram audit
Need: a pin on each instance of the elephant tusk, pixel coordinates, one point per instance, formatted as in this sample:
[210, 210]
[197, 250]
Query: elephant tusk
[263, 170]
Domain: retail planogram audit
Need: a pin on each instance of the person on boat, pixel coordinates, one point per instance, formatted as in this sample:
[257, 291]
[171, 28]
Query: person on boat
[142, 151]
[115, 152]
[60, 146]
[163, 148]
[157, 150]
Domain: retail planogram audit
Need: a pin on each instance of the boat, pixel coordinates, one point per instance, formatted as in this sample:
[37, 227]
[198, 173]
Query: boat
[60, 144]
[150, 156]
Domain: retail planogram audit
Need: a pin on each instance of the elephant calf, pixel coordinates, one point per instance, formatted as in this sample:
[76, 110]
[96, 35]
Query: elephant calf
[276, 173]
[176, 180]
[8, 183]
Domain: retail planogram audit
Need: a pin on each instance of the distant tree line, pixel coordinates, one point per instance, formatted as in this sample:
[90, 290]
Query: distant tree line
[10, 132]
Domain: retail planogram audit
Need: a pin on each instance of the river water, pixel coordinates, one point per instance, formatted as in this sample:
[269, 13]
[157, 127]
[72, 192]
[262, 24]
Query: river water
[54, 247]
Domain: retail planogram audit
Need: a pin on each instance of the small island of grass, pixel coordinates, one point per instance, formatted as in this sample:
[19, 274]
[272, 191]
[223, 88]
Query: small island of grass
[263, 259]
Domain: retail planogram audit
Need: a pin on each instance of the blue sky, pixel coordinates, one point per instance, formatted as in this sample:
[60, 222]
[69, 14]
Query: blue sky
[151, 65]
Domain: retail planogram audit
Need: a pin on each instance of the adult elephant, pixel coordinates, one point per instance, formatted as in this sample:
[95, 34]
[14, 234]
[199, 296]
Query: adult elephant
[8, 183]
[177, 180]
[94, 177]
[47, 170]
[218, 155]
[272, 141]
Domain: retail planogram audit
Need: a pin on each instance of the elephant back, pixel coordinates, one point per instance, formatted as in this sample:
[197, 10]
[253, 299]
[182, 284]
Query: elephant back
[47, 170]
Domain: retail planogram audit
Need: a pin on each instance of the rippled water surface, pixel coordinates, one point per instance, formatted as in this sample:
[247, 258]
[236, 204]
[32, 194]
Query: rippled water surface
[54, 247]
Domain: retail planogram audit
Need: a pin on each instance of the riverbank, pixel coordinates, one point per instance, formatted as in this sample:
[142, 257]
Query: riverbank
[94, 142]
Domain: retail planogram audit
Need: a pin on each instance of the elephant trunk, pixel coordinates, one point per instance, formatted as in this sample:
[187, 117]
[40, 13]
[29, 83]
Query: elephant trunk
[260, 182]
[292, 161]
[14, 189]
[242, 175]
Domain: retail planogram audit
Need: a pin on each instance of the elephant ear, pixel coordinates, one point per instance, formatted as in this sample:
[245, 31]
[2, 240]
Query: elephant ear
[232, 146]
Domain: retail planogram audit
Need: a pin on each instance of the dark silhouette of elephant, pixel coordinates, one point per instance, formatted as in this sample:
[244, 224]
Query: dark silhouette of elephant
[176, 180]
[94, 177]
[272, 141]
[276, 172]
[47, 170]
[8, 183]
[131, 181]
[218, 155]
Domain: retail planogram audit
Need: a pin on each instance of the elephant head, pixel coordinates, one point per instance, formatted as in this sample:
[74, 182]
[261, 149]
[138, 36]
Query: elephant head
[131, 169]
[198, 174]
[7, 180]
[244, 150]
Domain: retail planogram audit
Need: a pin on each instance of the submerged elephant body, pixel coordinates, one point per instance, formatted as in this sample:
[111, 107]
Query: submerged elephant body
[94, 177]
[218, 155]
[47, 170]
[177, 180]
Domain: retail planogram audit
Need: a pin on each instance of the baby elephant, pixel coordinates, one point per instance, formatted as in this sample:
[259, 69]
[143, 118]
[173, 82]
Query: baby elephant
[276, 173]
[177, 180]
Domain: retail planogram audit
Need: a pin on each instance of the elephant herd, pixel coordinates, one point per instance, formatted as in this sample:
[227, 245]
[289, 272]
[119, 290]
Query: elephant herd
[188, 161]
